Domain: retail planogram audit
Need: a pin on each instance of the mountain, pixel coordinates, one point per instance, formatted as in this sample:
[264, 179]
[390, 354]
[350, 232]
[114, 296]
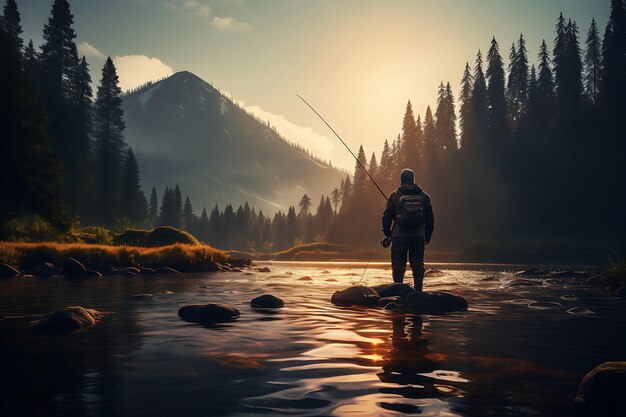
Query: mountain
[184, 131]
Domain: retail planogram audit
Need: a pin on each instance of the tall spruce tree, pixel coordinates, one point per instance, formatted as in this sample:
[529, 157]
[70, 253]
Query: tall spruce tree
[177, 216]
[305, 204]
[153, 208]
[409, 151]
[446, 123]
[30, 172]
[108, 133]
[478, 111]
[133, 203]
[430, 148]
[517, 86]
[188, 215]
[13, 21]
[465, 97]
[593, 62]
[496, 99]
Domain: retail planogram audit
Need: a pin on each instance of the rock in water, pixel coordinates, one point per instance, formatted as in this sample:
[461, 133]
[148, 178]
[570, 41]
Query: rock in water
[7, 271]
[209, 313]
[394, 290]
[166, 270]
[44, 270]
[147, 271]
[69, 318]
[533, 272]
[140, 297]
[601, 391]
[434, 302]
[267, 301]
[264, 269]
[73, 267]
[434, 273]
[386, 300]
[355, 296]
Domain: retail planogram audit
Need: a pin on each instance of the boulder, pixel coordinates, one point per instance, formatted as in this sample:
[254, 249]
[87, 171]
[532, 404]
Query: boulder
[600, 392]
[264, 269]
[146, 271]
[208, 313]
[386, 300]
[44, 270]
[140, 297]
[166, 270]
[434, 302]
[130, 269]
[267, 301]
[73, 267]
[68, 318]
[392, 306]
[7, 271]
[305, 278]
[393, 290]
[104, 269]
[355, 296]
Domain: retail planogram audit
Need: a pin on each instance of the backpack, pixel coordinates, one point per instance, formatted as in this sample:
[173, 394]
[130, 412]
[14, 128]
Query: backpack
[410, 210]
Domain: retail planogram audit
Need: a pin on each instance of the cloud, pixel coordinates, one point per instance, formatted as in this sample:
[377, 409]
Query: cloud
[195, 8]
[229, 24]
[318, 145]
[135, 70]
[90, 51]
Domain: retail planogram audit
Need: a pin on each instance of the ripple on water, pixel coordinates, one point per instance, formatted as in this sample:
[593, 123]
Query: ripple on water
[545, 305]
[580, 311]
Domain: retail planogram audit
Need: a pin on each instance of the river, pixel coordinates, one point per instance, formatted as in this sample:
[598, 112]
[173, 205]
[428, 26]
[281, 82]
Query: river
[505, 356]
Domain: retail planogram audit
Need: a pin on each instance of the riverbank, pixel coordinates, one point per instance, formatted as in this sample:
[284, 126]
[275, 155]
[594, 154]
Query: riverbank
[184, 258]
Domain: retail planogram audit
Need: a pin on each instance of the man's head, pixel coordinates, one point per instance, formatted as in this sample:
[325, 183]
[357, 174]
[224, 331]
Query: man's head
[407, 177]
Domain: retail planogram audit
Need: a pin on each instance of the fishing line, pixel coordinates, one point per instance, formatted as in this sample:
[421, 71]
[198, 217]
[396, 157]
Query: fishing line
[362, 167]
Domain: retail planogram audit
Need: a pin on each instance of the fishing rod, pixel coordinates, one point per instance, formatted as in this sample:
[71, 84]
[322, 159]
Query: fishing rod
[347, 147]
[363, 168]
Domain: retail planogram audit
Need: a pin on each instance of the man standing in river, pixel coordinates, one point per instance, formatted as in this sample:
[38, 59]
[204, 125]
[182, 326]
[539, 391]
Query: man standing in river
[408, 224]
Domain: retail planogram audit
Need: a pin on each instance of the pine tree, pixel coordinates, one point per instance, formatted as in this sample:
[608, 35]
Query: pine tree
[30, 172]
[291, 227]
[545, 81]
[360, 177]
[517, 86]
[467, 83]
[188, 216]
[497, 111]
[429, 152]
[204, 227]
[13, 21]
[305, 205]
[409, 151]
[177, 214]
[478, 109]
[133, 201]
[446, 123]
[214, 233]
[153, 208]
[593, 62]
[336, 197]
[108, 132]
[613, 83]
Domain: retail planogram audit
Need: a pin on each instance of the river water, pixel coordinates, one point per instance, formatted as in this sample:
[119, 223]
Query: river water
[505, 356]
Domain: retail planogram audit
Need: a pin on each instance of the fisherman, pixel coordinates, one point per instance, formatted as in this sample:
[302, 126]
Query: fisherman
[408, 224]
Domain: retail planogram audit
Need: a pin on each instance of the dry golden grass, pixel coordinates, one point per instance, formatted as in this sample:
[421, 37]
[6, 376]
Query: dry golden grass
[187, 258]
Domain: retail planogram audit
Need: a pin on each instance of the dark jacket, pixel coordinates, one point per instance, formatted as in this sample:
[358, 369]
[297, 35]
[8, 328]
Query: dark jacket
[392, 230]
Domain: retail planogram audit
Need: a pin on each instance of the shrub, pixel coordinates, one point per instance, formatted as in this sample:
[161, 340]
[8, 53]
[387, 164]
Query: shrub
[161, 236]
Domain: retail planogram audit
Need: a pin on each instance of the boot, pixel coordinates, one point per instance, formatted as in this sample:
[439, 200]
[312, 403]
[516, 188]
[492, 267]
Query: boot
[418, 279]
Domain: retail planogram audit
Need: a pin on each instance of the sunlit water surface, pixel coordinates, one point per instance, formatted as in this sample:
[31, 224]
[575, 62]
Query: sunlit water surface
[503, 357]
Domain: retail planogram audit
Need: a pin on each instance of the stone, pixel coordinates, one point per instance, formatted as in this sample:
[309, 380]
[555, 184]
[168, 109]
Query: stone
[391, 290]
[600, 393]
[73, 267]
[208, 313]
[140, 297]
[306, 278]
[355, 296]
[44, 270]
[132, 269]
[386, 300]
[392, 306]
[7, 271]
[166, 270]
[105, 269]
[68, 318]
[267, 301]
[264, 269]
[434, 302]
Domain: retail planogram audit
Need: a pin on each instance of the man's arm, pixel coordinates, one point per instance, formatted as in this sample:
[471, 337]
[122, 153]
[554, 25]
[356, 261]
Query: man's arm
[430, 219]
[388, 215]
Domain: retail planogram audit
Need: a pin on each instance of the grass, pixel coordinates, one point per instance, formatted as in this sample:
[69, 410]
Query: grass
[160, 236]
[614, 276]
[186, 258]
[309, 249]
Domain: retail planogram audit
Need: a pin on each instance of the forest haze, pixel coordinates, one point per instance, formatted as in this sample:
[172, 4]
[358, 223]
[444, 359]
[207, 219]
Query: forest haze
[523, 152]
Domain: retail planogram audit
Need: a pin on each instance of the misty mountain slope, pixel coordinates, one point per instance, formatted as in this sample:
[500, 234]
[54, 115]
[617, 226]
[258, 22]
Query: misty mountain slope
[185, 131]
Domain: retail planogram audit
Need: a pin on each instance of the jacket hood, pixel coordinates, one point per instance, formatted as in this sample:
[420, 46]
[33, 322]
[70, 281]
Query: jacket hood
[409, 189]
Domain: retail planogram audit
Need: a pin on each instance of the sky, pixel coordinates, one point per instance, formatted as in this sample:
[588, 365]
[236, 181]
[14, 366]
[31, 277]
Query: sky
[356, 61]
